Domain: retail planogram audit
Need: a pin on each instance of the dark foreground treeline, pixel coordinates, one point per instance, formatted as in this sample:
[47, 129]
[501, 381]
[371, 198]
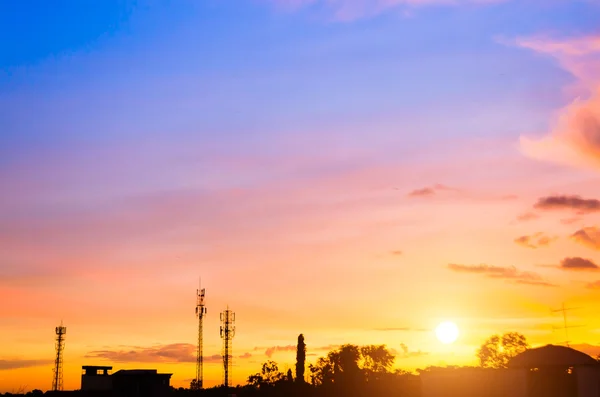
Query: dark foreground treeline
[348, 371]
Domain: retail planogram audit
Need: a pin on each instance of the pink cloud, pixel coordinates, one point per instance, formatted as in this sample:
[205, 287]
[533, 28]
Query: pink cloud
[575, 136]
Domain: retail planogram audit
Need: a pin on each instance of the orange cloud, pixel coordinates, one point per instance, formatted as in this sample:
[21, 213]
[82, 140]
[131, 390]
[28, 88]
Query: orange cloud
[272, 350]
[575, 137]
[528, 216]
[534, 241]
[594, 285]
[577, 263]
[15, 364]
[499, 272]
[588, 236]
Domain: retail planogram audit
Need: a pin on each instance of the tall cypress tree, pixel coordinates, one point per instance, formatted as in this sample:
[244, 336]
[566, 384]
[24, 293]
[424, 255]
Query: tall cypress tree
[300, 359]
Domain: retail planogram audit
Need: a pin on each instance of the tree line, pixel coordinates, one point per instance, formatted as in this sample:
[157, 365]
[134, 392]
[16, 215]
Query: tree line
[349, 370]
[352, 370]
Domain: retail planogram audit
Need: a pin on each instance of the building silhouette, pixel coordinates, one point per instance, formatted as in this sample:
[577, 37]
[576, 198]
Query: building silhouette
[125, 383]
[548, 371]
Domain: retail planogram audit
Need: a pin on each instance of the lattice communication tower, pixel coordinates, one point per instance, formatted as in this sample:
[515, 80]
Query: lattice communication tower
[227, 334]
[200, 313]
[57, 380]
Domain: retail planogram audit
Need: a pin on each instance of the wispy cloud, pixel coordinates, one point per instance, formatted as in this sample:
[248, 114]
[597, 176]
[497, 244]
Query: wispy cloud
[499, 272]
[422, 192]
[172, 353]
[528, 216]
[274, 349]
[401, 329]
[593, 285]
[592, 350]
[564, 202]
[406, 353]
[535, 241]
[16, 364]
[575, 137]
[588, 236]
[430, 190]
[348, 10]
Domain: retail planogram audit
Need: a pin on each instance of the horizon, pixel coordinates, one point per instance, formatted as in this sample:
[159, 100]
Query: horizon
[356, 171]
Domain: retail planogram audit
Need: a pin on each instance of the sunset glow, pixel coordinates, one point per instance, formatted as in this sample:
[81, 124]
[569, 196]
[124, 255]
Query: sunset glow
[447, 332]
[359, 172]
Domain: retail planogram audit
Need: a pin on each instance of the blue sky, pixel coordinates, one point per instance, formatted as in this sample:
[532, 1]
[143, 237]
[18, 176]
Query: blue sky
[251, 67]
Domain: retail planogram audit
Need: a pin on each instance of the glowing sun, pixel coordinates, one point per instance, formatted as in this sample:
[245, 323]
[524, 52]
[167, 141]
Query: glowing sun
[447, 332]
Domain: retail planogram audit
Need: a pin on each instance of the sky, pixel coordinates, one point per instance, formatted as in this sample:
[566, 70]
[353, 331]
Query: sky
[356, 171]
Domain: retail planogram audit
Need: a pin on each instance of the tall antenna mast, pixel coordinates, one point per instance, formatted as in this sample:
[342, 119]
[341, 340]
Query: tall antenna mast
[227, 334]
[565, 326]
[57, 380]
[200, 312]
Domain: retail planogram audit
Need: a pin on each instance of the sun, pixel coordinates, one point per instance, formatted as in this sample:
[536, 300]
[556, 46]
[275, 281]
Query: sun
[447, 332]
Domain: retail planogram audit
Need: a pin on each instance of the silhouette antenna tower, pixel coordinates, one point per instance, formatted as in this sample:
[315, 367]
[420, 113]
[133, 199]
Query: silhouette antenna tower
[565, 326]
[200, 312]
[57, 380]
[227, 334]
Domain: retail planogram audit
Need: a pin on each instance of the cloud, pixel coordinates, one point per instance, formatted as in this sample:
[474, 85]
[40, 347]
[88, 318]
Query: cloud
[397, 253]
[349, 10]
[575, 136]
[394, 329]
[591, 350]
[525, 241]
[272, 350]
[528, 216]
[431, 190]
[593, 285]
[569, 221]
[246, 355]
[422, 192]
[588, 236]
[577, 263]
[576, 203]
[534, 241]
[534, 282]
[16, 364]
[269, 351]
[507, 273]
[401, 329]
[406, 353]
[173, 353]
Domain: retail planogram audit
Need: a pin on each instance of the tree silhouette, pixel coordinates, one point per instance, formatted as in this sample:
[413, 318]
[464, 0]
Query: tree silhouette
[321, 373]
[377, 361]
[340, 366]
[268, 376]
[300, 359]
[497, 351]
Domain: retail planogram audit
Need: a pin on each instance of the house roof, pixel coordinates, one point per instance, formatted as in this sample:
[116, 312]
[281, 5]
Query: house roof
[96, 367]
[551, 355]
[139, 372]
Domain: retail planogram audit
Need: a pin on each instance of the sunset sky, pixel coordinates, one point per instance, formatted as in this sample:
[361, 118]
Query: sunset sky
[354, 170]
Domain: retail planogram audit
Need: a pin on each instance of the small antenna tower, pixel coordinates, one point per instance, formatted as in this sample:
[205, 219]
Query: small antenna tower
[227, 334]
[57, 381]
[200, 312]
[565, 326]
